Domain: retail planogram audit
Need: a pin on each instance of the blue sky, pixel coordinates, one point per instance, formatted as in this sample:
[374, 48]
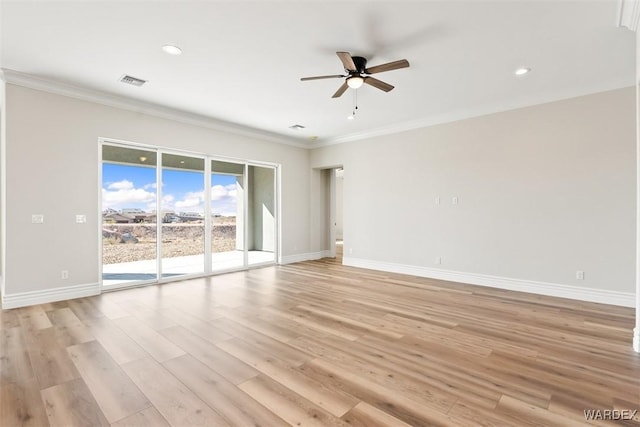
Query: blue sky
[182, 191]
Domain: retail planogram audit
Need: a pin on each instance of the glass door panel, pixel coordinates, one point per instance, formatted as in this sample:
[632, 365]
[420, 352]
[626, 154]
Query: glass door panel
[128, 216]
[261, 215]
[227, 215]
[183, 215]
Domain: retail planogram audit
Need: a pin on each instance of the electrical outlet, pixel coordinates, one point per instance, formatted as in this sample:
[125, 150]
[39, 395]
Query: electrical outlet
[438, 260]
[438, 200]
[64, 274]
[580, 275]
[81, 219]
[454, 200]
[350, 251]
[37, 219]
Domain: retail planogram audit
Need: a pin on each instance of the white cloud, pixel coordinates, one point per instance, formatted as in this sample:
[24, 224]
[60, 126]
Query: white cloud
[192, 201]
[120, 185]
[220, 192]
[123, 194]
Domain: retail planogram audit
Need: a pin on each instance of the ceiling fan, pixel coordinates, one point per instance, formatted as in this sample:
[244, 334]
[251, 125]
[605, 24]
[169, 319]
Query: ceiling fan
[358, 73]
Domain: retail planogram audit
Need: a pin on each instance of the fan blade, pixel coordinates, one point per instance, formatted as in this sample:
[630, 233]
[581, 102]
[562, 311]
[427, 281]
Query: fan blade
[341, 90]
[335, 76]
[378, 84]
[347, 61]
[403, 63]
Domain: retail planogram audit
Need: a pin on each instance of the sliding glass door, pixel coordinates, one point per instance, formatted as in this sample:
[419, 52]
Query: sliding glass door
[168, 214]
[227, 215]
[182, 215]
[129, 231]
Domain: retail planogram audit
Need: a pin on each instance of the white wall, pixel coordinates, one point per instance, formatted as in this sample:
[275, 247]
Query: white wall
[52, 169]
[543, 192]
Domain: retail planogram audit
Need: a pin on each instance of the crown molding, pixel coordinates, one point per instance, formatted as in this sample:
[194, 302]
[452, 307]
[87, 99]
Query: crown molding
[629, 14]
[469, 114]
[117, 101]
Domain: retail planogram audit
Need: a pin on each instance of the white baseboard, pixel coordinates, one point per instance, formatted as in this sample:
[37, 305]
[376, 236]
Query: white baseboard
[289, 259]
[23, 299]
[625, 299]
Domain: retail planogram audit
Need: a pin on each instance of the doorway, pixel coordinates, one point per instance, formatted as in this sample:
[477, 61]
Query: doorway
[339, 213]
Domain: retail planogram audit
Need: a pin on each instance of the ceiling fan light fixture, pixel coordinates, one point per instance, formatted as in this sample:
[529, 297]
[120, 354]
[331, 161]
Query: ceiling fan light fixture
[354, 82]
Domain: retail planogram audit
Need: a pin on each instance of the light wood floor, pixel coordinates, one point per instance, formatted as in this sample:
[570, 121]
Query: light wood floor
[319, 344]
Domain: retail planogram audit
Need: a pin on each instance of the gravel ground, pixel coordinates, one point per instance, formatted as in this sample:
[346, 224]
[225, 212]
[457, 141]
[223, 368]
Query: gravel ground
[120, 245]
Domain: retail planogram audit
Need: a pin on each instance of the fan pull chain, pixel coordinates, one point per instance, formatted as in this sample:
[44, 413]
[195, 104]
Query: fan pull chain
[355, 103]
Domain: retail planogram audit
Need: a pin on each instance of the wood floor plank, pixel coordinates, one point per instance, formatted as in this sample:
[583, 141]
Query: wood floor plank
[85, 308]
[49, 358]
[9, 319]
[151, 341]
[68, 327]
[119, 345]
[15, 364]
[177, 404]
[292, 407]
[235, 406]
[528, 414]
[365, 415]
[63, 317]
[113, 390]
[149, 417]
[413, 412]
[232, 368]
[20, 405]
[266, 343]
[345, 319]
[202, 328]
[71, 404]
[334, 401]
[33, 318]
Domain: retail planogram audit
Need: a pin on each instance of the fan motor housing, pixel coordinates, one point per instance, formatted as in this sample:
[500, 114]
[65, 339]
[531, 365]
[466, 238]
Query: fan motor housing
[360, 63]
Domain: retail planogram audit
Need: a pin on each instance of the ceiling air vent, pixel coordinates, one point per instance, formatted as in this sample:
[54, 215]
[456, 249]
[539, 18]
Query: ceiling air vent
[132, 80]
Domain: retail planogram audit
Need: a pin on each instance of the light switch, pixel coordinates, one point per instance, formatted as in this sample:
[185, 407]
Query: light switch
[37, 219]
[81, 219]
[454, 200]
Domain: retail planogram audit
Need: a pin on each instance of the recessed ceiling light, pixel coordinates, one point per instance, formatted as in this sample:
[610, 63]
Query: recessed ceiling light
[351, 117]
[143, 159]
[171, 49]
[522, 71]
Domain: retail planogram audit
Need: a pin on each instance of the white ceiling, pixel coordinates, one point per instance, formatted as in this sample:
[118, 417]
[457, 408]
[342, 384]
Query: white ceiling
[242, 61]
